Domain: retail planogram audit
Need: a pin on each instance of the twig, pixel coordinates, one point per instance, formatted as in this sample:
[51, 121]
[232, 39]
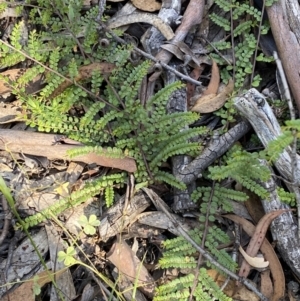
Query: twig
[102, 288]
[202, 243]
[257, 42]
[159, 202]
[152, 58]
[232, 42]
[7, 219]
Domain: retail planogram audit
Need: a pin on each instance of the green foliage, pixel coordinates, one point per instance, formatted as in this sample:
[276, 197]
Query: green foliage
[89, 190]
[181, 254]
[243, 167]
[110, 120]
[219, 198]
[246, 169]
[245, 42]
[290, 132]
[179, 289]
[227, 113]
[286, 197]
[67, 257]
[89, 224]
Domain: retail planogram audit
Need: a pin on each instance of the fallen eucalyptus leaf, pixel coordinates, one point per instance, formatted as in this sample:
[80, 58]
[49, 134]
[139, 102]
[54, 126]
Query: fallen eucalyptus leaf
[152, 19]
[185, 49]
[214, 82]
[149, 5]
[212, 102]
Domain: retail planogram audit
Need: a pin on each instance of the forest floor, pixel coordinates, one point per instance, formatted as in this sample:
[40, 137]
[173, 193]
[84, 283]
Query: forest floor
[186, 204]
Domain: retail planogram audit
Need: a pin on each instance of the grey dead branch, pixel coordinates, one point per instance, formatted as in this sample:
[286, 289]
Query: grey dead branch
[253, 106]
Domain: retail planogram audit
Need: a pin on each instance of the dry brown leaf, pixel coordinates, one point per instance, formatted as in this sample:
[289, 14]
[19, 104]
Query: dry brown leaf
[253, 204]
[269, 254]
[149, 5]
[243, 294]
[12, 74]
[139, 17]
[212, 102]
[128, 264]
[257, 239]
[266, 285]
[25, 291]
[214, 83]
[186, 51]
[173, 49]
[190, 88]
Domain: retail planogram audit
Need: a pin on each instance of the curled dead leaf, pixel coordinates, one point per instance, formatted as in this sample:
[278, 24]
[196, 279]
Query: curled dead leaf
[139, 17]
[256, 262]
[149, 5]
[214, 82]
[212, 102]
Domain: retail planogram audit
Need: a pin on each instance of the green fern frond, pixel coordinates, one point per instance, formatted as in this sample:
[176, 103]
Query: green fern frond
[159, 100]
[109, 196]
[169, 179]
[243, 28]
[89, 190]
[131, 85]
[179, 289]
[225, 5]
[108, 152]
[286, 197]
[220, 21]
[244, 168]
[3, 7]
[92, 111]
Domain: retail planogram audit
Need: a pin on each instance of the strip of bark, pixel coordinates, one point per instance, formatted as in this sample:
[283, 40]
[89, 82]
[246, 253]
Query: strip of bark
[43, 144]
[288, 47]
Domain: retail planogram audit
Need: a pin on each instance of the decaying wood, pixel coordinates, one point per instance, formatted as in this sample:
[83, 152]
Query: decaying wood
[253, 106]
[284, 228]
[152, 38]
[192, 16]
[159, 220]
[114, 221]
[178, 103]
[287, 45]
[37, 143]
[216, 148]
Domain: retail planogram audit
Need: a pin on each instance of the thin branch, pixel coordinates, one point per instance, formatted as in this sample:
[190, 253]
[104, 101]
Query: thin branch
[152, 58]
[202, 243]
[7, 219]
[257, 42]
